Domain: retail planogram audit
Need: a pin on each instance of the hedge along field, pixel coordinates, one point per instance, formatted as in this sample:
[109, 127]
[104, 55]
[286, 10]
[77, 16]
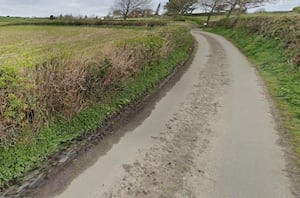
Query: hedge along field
[273, 43]
[34, 57]
[57, 83]
[71, 21]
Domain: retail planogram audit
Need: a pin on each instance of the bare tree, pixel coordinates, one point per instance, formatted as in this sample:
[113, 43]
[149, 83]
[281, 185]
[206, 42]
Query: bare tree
[243, 5]
[180, 7]
[211, 6]
[126, 7]
[230, 5]
[158, 9]
[254, 3]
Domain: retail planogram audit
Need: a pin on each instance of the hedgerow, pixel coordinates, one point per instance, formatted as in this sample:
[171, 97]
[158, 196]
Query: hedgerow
[66, 95]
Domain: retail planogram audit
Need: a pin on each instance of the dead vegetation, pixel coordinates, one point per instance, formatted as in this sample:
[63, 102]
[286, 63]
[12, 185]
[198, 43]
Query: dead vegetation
[65, 84]
[59, 85]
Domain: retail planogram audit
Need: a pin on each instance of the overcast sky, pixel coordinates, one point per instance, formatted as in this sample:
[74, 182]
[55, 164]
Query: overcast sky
[280, 5]
[45, 8]
[42, 8]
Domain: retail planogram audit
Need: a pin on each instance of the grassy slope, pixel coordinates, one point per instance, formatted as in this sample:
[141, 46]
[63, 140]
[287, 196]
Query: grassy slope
[30, 149]
[273, 55]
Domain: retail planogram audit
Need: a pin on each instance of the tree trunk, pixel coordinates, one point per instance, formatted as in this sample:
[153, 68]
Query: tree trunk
[211, 12]
[230, 11]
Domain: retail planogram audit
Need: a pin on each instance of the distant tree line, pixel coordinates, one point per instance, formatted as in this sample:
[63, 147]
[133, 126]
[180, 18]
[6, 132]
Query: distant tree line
[180, 7]
[131, 8]
[142, 8]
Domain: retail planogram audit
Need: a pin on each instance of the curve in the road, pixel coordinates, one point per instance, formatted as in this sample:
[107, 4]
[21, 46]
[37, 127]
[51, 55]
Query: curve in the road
[211, 135]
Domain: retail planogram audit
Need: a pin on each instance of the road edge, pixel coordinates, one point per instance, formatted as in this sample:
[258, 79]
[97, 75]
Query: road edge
[57, 162]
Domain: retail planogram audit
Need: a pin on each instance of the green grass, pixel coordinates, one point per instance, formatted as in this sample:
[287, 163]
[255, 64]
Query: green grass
[282, 78]
[200, 20]
[27, 44]
[19, 19]
[28, 150]
[271, 14]
[296, 9]
[75, 21]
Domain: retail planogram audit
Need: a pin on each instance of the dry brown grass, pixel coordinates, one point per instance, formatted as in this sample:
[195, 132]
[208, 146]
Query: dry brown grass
[65, 83]
[122, 62]
[59, 86]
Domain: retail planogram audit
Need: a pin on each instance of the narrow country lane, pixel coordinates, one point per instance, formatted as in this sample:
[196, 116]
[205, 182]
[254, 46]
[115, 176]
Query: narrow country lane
[212, 135]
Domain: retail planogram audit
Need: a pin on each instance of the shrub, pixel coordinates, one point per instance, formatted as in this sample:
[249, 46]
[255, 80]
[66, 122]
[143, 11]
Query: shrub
[283, 28]
[296, 9]
[74, 95]
[16, 104]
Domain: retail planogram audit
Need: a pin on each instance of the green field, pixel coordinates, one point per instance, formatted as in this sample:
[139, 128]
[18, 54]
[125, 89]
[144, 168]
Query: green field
[60, 82]
[9, 20]
[30, 43]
